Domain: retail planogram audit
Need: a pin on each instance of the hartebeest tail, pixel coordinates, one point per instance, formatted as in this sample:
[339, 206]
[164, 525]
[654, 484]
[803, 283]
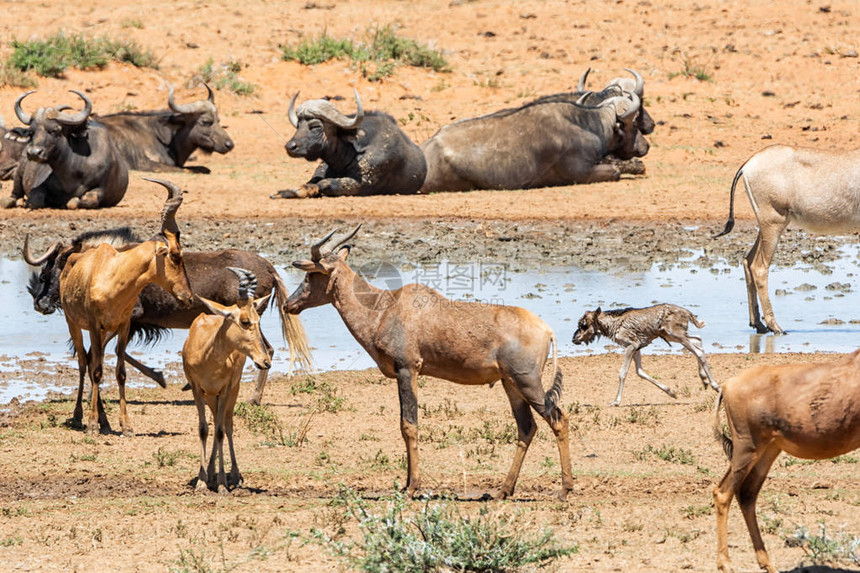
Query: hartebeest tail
[292, 330]
[553, 395]
[719, 434]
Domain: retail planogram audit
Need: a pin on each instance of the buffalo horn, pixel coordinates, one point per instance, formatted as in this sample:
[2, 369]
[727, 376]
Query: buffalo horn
[316, 252]
[2, 122]
[81, 116]
[294, 119]
[193, 107]
[174, 200]
[24, 117]
[633, 108]
[580, 87]
[640, 83]
[247, 282]
[28, 255]
[211, 97]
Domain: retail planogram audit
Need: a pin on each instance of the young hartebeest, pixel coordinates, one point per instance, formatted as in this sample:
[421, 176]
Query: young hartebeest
[810, 411]
[415, 330]
[98, 291]
[213, 357]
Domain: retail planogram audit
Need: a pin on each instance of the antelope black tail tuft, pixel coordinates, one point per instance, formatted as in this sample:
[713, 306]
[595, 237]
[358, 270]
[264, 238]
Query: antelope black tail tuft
[553, 397]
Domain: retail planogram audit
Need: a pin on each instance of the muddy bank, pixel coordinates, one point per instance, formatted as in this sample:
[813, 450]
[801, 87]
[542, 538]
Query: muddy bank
[603, 246]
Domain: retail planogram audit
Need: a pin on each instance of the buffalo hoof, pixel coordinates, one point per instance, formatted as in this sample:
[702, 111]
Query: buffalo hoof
[285, 194]
[73, 203]
[8, 202]
[501, 494]
[201, 486]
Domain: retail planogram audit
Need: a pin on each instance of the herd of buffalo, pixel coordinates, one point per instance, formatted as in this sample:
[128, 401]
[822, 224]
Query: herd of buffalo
[65, 159]
[107, 282]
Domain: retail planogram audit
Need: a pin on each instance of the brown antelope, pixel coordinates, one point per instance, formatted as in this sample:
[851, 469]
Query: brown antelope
[415, 330]
[213, 357]
[810, 411]
[98, 290]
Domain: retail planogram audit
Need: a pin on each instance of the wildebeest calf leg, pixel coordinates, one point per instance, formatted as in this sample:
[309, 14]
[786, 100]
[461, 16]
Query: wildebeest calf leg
[693, 343]
[622, 374]
[637, 359]
[409, 425]
[526, 429]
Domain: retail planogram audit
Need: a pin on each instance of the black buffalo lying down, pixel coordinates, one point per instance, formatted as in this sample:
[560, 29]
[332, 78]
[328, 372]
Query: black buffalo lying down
[560, 139]
[367, 154]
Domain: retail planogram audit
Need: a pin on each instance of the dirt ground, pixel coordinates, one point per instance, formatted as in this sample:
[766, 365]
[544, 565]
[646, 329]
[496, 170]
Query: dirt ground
[73, 503]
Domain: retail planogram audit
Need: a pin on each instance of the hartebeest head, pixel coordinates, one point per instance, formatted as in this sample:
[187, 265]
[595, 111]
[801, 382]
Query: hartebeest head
[315, 290]
[242, 320]
[170, 268]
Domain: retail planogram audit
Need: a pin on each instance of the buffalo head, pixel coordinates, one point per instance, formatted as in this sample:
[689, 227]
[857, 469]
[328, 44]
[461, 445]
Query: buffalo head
[201, 120]
[630, 85]
[320, 127]
[51, 127]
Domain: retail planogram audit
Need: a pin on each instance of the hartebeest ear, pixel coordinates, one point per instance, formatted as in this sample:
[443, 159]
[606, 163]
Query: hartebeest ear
[215, 307]
[260, 303]
[161, 250]
[307, 266]
[343, 252]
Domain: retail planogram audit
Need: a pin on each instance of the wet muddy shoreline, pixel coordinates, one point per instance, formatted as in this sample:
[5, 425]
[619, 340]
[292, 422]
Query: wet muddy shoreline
[604, 245]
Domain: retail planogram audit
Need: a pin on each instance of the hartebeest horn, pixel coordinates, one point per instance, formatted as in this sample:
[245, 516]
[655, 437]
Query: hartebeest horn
[580, 87]
[316, 252]
[347, 238]
[28, 256]
[640, 83]
[24, 117]
[174, 200]
[294, 119]
[193, 107]
[76, 118]
[247, 282]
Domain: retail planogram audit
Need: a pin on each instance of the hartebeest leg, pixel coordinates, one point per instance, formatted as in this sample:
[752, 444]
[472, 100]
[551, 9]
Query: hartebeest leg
[235, 477]
[526, 429]
[637, 359]
[742, 462]
[121, 343]
[203, 432]
[262, 375]
[220, 415]
[83, 357]
[747, 497]
[759, 261]
[151, 373]
[96, 369]
[409, 425]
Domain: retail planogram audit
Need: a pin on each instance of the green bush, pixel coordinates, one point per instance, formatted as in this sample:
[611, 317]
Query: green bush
[225, 76]
[376, 58]
[52, 56]
[826, 548]
[437, 538]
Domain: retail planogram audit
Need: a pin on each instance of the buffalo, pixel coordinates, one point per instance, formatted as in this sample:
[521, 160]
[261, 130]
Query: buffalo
[12, 144]
[367, 154]
[550, 141]
[164, 140]
[70, 161]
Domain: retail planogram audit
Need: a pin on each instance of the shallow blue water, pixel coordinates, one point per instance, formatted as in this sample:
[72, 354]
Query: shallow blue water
[558, 295]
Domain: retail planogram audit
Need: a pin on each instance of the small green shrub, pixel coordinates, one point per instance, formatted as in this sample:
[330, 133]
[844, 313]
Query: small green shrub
[52, 56]
[825, 548]
[225, 76]
[437, 537]
[376, 58]
[262, 420]
[667, 454]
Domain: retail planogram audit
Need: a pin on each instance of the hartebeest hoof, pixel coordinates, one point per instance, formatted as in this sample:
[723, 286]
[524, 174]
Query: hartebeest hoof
[562, 495]
[671, 393]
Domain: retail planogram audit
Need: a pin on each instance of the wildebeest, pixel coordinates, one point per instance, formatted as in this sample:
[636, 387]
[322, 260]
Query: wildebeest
[164, 140]
[98, 292]
[213, 357]
[636, 328]
[550, 141]
[415, 330]
[69, 162]
[156, 310]
[810, 411]
[367, 154]
[818, 190]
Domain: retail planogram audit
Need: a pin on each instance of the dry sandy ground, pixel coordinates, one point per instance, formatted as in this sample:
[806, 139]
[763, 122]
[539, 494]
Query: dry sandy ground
[786, 75]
